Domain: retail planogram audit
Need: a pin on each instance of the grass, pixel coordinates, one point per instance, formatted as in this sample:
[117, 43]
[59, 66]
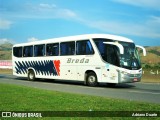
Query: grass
[150, 79]
[147, 77]
[20, 98]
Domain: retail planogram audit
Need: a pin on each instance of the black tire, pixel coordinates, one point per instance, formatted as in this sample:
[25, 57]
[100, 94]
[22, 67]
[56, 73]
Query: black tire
[31, 75]
[91, 79]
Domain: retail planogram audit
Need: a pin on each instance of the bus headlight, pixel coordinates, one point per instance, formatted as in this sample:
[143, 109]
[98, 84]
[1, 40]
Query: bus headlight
[125, 73]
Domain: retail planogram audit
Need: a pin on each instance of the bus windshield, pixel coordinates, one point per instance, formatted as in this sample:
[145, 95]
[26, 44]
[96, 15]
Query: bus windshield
[110, 54]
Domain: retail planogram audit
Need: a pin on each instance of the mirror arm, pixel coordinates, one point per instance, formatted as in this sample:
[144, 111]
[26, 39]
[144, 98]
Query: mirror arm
[121, 48]
[141, 47]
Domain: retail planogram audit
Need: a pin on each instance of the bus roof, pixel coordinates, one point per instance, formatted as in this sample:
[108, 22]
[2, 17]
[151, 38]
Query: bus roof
[77, 37]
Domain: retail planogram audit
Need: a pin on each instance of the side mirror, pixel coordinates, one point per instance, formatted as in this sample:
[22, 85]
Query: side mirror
[116, 44]
[141, 47]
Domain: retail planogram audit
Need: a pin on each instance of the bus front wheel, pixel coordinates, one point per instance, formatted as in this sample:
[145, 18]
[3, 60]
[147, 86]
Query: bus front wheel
[31, 75]
[92, 79]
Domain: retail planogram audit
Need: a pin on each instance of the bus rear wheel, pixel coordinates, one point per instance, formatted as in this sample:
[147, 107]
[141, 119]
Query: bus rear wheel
[31, 75]
[92, 79]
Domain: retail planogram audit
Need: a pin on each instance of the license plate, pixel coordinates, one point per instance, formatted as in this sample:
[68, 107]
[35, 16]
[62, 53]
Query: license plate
[135, 79]
[133, 72]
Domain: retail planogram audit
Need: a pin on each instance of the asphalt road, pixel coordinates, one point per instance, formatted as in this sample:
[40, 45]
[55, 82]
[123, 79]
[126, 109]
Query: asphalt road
[146, 92]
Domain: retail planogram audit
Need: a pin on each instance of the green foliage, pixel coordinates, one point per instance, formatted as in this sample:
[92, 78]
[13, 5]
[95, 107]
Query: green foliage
[155, 52]
[151, 66]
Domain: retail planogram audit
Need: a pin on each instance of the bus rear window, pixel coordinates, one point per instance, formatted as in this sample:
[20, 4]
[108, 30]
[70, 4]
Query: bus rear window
[17, 51]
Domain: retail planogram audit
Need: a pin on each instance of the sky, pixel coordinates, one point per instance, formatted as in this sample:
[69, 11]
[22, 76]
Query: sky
[30, 20]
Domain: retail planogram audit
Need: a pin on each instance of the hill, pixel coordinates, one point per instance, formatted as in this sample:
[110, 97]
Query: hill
[152, 60]
[6, 51]
[6, 46]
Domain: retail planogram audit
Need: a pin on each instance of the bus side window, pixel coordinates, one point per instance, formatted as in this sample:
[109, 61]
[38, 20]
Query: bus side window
[67, 48]
[28, 51]
[43, 50]
[39, 50]
[17, 51]
[25, 52]
[52, 49]
[84, 48]
[35, 50]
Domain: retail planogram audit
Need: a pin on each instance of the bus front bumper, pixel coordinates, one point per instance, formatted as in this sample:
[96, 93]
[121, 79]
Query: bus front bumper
[129, 78]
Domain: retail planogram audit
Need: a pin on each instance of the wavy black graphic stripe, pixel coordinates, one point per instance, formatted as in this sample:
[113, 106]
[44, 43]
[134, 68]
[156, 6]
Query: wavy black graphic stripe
[45, 67]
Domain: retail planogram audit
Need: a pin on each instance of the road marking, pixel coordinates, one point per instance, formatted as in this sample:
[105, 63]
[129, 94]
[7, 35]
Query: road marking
[144, 92]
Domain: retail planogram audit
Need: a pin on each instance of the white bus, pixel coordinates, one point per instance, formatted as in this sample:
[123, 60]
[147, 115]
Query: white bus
[91, 58]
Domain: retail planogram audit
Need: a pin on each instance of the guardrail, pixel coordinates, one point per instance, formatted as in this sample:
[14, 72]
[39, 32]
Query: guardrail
[6, 64]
